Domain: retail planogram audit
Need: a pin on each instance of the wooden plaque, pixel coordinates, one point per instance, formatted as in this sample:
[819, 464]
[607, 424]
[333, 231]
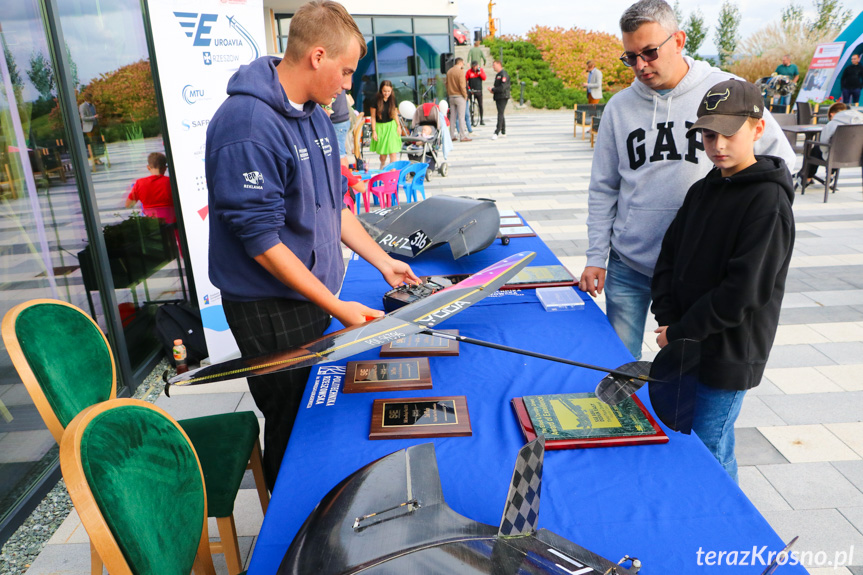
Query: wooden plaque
[506, 222]
[387, 375]
[517, 232]
[420, 344]
[609, 437]
[406, 418]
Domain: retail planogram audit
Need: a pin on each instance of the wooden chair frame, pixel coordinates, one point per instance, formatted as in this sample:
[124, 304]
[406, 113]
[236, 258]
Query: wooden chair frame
[228, 543]
[101, 537]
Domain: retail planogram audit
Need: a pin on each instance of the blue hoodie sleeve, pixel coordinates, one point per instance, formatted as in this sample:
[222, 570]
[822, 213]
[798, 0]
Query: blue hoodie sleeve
[248, 194]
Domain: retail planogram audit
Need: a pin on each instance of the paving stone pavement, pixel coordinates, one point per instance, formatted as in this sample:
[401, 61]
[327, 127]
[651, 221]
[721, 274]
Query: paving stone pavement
[800, 436]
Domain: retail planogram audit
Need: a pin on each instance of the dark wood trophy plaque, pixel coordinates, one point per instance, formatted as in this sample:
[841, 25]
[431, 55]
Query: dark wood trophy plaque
[421, 344]
[406, 418]
[387, 375]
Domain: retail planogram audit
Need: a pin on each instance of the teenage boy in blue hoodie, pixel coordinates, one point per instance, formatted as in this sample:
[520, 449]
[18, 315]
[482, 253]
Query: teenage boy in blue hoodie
[721, 271]
[277, 217]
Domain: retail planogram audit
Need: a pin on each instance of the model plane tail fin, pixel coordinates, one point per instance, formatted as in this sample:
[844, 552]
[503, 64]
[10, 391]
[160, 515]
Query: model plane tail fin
[521, 513]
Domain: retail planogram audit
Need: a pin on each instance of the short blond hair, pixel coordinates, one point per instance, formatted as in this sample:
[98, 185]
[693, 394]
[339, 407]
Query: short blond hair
[322, 23]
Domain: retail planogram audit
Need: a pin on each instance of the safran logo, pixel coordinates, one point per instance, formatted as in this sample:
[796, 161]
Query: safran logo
[255, 180]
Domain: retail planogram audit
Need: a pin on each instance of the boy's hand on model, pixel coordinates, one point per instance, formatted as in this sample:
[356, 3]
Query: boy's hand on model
[352, 313]
[661, 339]
[397, 272]
[592, 280]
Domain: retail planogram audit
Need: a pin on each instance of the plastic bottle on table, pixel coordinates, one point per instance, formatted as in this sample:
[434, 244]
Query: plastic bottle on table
[180, 356]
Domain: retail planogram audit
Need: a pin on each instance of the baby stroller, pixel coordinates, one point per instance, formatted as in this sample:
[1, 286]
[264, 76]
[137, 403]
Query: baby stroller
[425, 142]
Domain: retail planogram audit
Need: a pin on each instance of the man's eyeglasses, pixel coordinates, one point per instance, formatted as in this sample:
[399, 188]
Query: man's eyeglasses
[649, 55]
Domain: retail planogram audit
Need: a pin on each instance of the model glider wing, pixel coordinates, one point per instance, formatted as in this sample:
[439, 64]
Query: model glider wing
[350, 341]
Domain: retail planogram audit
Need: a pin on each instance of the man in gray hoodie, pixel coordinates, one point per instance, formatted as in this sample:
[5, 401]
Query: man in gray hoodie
[644, 163]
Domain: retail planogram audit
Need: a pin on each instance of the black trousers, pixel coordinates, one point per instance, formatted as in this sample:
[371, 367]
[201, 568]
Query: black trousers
[501, 121]
[478, 96]
[266, 326]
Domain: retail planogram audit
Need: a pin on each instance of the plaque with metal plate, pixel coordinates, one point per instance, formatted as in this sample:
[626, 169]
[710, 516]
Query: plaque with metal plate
[506, 222]
[517, 232]
[406, 418]
[421, 344]
[387, 375]
[580, 420]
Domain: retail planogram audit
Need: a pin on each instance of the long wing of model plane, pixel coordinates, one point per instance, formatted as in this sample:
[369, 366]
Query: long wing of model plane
[407, 320]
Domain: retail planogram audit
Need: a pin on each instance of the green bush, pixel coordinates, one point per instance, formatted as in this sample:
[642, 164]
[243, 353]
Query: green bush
[543, 89]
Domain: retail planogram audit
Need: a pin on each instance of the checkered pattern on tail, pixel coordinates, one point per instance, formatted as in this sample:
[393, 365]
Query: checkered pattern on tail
[521, 514]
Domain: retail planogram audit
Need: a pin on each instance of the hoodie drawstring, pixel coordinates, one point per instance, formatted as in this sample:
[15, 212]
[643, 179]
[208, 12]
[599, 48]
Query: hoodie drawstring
[655, 104]
[326, 165]
[668, 110]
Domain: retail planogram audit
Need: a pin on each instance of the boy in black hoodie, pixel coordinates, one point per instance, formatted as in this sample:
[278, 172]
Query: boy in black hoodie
[721, 271]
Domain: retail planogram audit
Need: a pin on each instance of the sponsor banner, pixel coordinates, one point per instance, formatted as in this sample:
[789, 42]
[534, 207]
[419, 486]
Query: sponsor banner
[199, 45]
[821, 71]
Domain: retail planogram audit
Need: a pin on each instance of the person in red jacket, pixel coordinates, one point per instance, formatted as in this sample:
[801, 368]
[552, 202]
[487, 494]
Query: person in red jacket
[154, 191]
[475, 76]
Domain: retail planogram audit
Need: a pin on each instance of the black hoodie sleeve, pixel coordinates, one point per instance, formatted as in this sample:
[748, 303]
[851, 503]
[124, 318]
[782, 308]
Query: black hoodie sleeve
[664, 307]
[760, 252]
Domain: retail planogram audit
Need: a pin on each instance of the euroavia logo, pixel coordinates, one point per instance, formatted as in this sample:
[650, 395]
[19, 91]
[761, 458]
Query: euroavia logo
[191, 95]
[255, 180]
[210, 31]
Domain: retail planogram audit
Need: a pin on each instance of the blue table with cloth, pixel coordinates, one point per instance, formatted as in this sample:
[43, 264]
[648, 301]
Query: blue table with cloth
[669, 505]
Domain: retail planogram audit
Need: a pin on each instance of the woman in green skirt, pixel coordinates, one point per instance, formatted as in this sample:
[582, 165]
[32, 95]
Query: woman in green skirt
[386, 129]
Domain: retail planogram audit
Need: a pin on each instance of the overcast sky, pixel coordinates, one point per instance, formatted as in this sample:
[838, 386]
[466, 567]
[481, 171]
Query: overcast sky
[518, 16]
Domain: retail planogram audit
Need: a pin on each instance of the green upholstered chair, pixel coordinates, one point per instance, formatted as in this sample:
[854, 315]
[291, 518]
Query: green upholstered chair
[66, 365]
[137, 483]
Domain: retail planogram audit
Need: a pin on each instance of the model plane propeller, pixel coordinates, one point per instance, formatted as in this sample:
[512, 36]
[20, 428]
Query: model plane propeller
[672, 372]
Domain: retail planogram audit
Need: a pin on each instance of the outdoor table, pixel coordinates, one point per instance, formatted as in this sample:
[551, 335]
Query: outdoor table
[670, 505]
[810, 131]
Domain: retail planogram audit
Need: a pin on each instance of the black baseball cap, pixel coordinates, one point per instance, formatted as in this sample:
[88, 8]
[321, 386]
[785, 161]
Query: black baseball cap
[726, 106]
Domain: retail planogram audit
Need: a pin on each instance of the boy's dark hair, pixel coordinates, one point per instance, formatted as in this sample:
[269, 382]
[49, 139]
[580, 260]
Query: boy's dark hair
[836, 108]
[159, 161]
[457, 60]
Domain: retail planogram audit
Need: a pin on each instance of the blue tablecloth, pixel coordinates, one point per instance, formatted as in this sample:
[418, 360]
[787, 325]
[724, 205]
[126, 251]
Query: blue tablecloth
[661, 503]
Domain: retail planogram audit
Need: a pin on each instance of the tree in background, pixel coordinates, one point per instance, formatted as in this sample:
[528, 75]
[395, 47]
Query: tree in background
[14, 74]
[759, 54]
[695, 33]
[678, 13]
[41, 75]
[727, 32]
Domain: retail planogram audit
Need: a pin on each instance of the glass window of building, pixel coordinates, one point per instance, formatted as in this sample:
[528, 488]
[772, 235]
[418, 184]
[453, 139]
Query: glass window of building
[392, 26]
[44, 246]
[431, 26]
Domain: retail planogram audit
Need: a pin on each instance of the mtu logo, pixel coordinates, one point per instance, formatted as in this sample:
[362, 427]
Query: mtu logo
[192, 94]
[192, 25]
[256, 179]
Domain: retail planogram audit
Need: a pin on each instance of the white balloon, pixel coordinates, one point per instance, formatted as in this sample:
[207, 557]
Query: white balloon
[407, 109]
[443, 105]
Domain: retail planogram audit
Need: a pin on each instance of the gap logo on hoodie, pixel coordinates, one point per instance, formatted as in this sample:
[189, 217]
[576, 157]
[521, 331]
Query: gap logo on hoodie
[664, 145]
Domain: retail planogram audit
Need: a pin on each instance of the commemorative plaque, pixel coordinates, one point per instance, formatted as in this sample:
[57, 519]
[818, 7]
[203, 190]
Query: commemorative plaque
[387, 375]
[508, 221]
[517, 232]
[580, 420]
[420, 417]
[422, 344]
